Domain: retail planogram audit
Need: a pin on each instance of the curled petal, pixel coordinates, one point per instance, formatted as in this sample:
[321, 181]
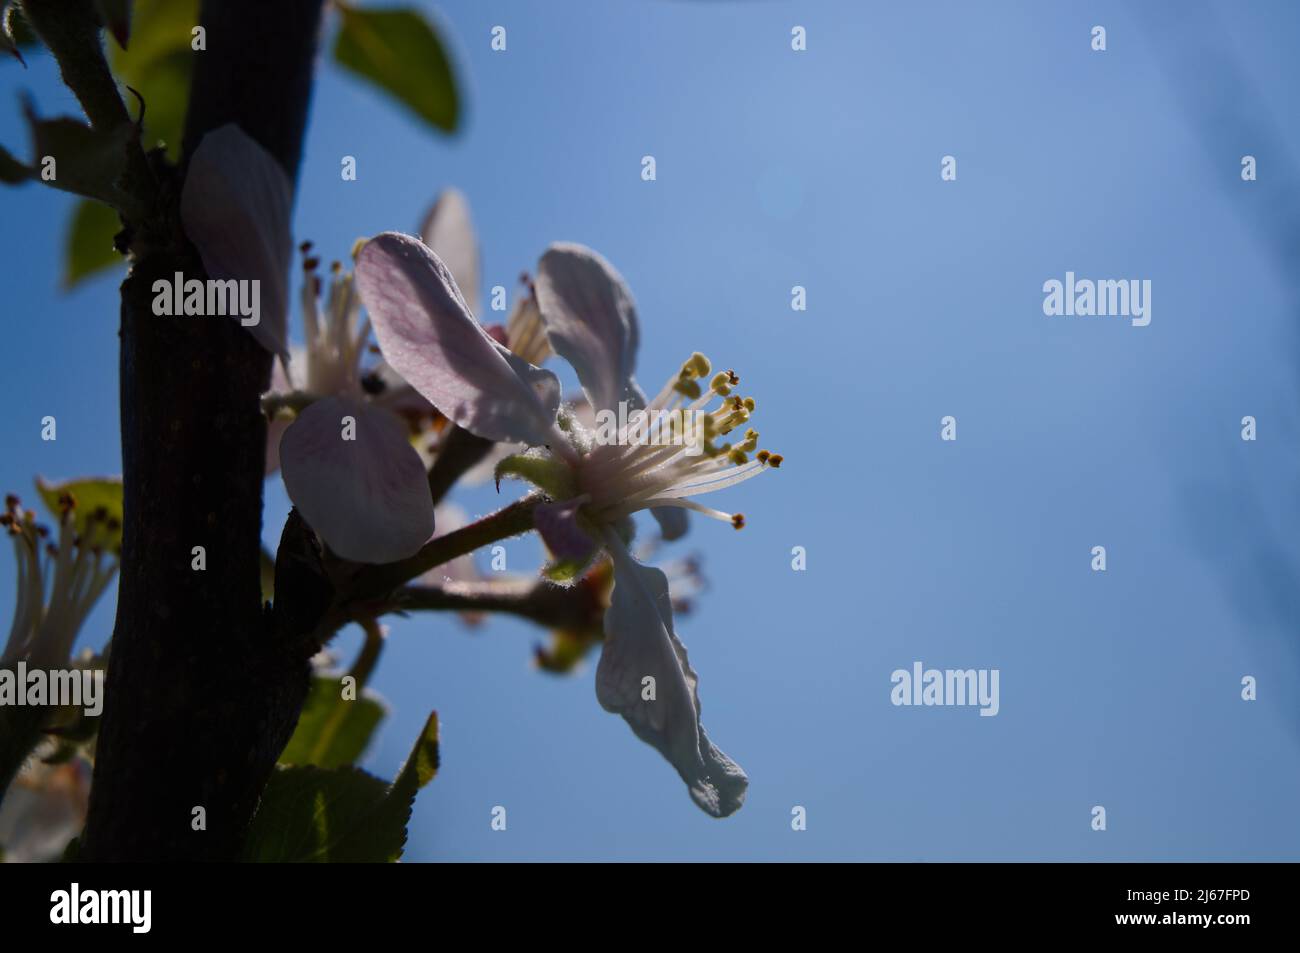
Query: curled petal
[591, 322]
[640, 643]
[235, 208]
[367, 496]
[449, 232]
[428, 335]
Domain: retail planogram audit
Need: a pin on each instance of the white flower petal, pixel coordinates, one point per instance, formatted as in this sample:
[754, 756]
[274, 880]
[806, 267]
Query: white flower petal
[428, 335]
[367, 497]
[449, 232]
[235, 207]
[591, 322]
[640, 642]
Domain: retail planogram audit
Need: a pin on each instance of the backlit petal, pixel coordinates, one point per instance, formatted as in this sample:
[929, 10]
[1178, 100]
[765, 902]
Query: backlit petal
[591, 322]
[640, 643]
[426, 332]
[449, 232]
[368, 497]
[235, 207]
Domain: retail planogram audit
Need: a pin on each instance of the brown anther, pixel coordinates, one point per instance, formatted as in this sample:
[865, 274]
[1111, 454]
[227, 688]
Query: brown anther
[12, 502]
[775, 460]
[763, 456]
[733, 378]
[336, 267]
[310, 264]
[738, 520]
[305, 247]
[67, 502]
[100, 514]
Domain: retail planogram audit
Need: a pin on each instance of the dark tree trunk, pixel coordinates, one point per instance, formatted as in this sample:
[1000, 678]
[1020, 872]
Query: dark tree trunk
[203, 690]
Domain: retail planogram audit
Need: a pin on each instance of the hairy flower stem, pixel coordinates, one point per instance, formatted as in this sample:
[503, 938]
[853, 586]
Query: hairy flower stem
[376, 582]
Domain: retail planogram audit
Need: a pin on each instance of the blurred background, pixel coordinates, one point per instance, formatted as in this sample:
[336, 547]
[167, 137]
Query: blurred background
[821, 168]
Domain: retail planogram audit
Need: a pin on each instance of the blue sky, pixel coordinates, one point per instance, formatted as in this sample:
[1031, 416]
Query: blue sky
[821, 169]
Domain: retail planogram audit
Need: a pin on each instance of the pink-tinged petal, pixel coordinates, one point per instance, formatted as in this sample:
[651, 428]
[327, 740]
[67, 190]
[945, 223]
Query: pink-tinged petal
[557, 524]
[591, 322]
[235, 207]
[427, 334]
[367, 497]
[449, 233]
[640, 643]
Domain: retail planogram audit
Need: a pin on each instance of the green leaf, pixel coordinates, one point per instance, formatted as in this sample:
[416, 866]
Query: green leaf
[333, 732]
[158, 66]
[314, 815]
[90, 494]
[422, 763]
[553, 477]
[79, 158]
[89, 248]
[344, 815]
[399, 51]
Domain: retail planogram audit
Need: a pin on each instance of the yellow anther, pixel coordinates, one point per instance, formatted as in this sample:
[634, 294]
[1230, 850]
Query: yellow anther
[719, 385]
[738, 456]
[700, 364]
[357, 245]
[749, 404]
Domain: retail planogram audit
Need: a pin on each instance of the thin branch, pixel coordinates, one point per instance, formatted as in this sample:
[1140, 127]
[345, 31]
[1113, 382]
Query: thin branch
[377, 582]
[554, 607]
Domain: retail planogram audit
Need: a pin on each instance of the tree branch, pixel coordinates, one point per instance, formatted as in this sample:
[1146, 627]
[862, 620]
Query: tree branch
[578, 606]
[377, 582]
[203, 692]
